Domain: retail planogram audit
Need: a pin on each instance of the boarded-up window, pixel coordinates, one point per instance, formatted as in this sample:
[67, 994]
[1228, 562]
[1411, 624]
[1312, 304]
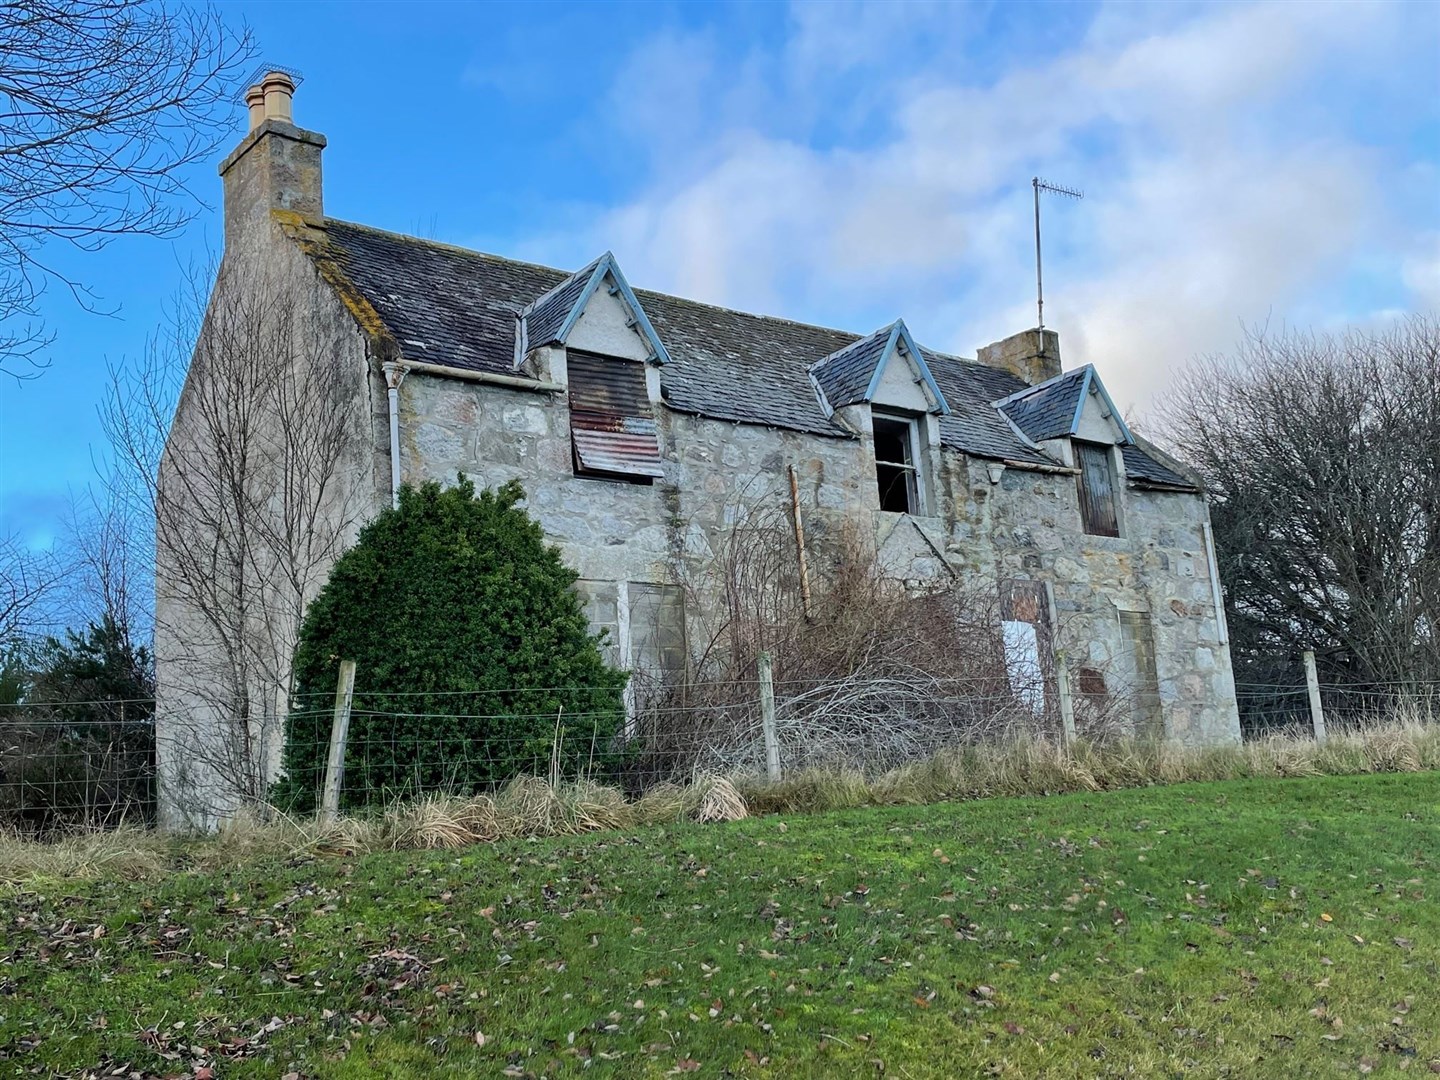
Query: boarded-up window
[644, 626]
[612, 426]
[1097, 489]
[1137, 640]
[602, 612]
[657, 631]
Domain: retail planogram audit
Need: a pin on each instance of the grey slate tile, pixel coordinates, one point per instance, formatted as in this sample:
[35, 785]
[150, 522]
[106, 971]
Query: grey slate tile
[1049, 413]
[447, 305]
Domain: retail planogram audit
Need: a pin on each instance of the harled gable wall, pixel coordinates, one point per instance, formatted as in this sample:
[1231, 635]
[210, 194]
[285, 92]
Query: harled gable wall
[200, 741]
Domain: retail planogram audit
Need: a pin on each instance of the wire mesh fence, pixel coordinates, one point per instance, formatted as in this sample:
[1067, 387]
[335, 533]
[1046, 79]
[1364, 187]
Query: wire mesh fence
[77, 764]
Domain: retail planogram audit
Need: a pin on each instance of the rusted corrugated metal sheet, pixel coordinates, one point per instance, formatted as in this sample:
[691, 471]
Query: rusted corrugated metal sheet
[610, 417]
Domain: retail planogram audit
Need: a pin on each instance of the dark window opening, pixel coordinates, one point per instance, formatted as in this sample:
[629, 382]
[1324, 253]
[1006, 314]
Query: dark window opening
[1097, 489]
[895, 471]
[612, 426]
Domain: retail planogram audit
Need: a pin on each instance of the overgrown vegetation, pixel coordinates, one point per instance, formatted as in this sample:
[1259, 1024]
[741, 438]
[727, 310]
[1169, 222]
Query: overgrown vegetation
[1255, 929]
[868, 672]
[476, 660]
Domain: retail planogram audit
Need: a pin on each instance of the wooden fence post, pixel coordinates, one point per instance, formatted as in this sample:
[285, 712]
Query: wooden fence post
[339, 729]
[1312, 684]
[767, 717]
[1067, 706]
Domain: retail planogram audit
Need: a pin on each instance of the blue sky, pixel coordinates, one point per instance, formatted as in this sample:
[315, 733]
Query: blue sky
[845, 163]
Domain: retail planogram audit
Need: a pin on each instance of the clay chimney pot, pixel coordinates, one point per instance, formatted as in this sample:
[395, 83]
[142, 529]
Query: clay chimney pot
[255, 101]
[279, 92]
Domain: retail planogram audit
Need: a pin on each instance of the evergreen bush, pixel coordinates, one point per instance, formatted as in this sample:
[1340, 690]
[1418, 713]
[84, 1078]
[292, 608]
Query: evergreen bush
[474, 659]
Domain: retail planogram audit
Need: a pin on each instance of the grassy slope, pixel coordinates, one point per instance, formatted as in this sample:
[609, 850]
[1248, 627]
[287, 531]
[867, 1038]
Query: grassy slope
[1164, 931]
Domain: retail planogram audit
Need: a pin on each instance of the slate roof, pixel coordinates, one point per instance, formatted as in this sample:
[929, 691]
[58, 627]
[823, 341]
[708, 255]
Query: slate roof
[1146, 468]
[460, 308]
[845, 375]
[543, 321]
[1049, 412]
[974, 424]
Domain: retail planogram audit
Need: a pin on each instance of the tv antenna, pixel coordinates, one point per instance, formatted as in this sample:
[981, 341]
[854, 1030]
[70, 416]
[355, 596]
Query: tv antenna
[1044, 185]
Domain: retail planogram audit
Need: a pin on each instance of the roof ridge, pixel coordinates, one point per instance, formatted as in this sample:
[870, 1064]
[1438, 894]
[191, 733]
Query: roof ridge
[442, 245]
[840, 352]
[588, 268]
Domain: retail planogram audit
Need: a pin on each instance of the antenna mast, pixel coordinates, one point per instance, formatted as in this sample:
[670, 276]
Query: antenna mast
[1044, 185]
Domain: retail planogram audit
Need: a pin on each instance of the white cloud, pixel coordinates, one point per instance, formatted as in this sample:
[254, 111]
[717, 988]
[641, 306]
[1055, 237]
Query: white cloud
[1421, 271]
[1225, 182]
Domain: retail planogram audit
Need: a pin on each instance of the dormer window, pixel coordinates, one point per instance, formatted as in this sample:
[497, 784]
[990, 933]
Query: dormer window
[1097, 488]
[897, 444]
[612, 425]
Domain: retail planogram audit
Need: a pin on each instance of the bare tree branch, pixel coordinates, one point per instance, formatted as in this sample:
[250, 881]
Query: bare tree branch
[103, 105]
[248, 508]
[1321, 453]
[30, 579]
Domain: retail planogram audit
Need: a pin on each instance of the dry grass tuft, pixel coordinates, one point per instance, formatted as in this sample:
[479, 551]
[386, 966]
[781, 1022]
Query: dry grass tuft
[713, 798]
[536, 806]
[662, 803]
[129, 853]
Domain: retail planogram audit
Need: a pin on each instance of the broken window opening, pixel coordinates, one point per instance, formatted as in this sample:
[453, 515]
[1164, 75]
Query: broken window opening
[895, 465]
[1097, 489]
[1028, 641]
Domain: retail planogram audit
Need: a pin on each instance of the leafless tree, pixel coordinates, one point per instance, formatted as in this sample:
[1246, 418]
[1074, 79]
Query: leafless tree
[30, 579]
[103, 105]
[1321, 453]
[108, 543]
[250, 506]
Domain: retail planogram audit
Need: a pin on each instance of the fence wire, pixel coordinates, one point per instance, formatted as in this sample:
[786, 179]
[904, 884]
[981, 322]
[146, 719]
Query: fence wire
[107, 763]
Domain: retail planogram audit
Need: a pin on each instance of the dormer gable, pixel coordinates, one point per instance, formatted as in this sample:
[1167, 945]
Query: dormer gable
[1071, 405]
[593, 309]
[885, 368]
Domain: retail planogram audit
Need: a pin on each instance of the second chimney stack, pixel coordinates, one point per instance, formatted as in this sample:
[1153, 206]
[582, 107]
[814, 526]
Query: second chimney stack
[1032, 355]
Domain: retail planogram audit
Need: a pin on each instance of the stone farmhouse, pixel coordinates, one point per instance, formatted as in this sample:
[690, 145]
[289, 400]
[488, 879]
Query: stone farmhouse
[641, 425]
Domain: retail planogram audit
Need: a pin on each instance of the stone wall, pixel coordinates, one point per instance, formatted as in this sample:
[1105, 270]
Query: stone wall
[719, 474]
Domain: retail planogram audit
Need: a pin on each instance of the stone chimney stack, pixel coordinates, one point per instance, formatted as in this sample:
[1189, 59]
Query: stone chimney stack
[1032, 355]
[275, 167]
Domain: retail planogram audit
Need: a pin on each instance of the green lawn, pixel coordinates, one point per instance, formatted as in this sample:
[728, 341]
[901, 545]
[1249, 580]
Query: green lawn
[1255, 928]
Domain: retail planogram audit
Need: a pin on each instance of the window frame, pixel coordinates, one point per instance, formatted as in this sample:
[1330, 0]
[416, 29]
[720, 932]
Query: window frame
[914, 484]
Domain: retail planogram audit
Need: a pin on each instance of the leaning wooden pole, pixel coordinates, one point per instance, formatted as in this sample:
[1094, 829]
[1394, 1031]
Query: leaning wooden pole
[800, 543]
[339, 731]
